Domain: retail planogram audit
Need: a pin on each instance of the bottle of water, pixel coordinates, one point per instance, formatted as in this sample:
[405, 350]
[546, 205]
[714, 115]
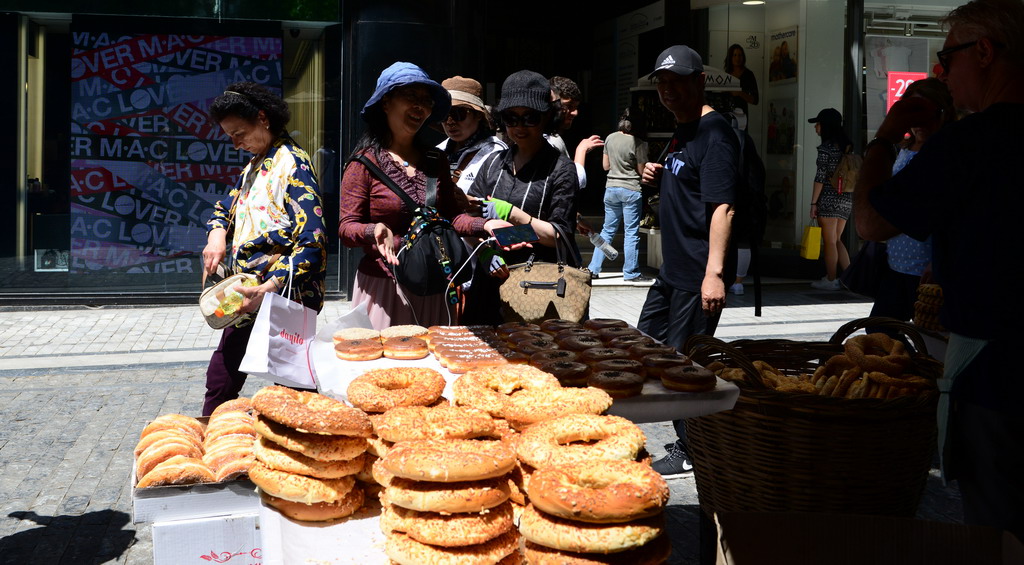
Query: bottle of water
[599, 243]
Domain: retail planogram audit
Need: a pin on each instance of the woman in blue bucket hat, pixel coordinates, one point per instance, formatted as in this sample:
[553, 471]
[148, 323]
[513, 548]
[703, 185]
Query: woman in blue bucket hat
[374, 218]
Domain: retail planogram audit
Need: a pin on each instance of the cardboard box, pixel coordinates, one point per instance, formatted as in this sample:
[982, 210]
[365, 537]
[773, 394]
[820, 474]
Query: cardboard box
[228, 539]
[189, 502]
[794, 538]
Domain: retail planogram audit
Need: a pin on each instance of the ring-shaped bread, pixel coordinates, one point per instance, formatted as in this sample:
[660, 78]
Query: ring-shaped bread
[450, 460]
[446, 530]
[437, 422]
[877, 352]
[467, 496]
[599, 491]
[655, 552]
[276, 457]
[490, 388]
[380, 390]
[240, 404]
[528, 407]
[551, 442]
[316, 446]
[178, 470]
[571, 535]
[404, 550]
[310, 412]
[299, 488]
[318, 511]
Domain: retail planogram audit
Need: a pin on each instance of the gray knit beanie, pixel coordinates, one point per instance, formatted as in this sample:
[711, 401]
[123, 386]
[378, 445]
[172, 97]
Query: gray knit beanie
[526, 89]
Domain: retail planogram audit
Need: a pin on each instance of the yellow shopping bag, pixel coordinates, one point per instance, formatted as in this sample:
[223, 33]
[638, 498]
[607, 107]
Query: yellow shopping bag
[810, 247]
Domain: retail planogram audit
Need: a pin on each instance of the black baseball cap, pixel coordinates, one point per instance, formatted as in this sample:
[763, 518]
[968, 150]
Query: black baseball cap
[679, 59]
[828, 116]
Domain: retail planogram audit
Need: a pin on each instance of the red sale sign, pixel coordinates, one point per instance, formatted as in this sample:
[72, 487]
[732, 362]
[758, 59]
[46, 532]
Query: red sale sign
[898, 83]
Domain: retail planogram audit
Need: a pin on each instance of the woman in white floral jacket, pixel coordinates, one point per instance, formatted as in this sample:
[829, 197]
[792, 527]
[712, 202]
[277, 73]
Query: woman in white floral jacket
[272, 221]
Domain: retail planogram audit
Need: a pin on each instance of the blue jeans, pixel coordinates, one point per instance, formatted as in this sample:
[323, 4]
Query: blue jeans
[621, 205]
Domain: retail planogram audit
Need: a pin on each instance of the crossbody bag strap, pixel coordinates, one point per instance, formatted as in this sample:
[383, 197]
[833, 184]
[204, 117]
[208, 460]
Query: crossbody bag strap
[388, 182]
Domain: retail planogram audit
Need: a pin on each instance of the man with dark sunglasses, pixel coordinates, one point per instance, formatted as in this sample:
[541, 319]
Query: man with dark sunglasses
[698, 179]
[964, 189]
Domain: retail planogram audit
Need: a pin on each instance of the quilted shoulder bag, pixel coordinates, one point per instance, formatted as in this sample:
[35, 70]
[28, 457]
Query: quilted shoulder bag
[537, 291]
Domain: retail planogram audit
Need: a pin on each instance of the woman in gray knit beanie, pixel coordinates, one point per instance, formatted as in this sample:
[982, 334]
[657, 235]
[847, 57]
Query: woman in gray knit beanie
[529, 183]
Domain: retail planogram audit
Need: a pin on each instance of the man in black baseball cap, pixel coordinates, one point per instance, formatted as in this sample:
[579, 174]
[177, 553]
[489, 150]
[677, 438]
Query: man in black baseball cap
[697, 179]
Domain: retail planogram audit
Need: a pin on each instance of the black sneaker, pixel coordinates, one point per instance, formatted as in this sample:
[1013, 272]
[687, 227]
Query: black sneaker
[640, 279]
[594, 275]
[675, 464]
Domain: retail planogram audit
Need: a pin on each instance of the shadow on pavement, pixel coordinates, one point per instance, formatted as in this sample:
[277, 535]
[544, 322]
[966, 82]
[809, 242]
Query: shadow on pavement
[792, 294]
[93, 537]
[682, 523]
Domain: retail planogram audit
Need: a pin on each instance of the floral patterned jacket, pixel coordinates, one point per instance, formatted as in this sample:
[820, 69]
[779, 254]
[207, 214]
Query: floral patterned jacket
[281, 213]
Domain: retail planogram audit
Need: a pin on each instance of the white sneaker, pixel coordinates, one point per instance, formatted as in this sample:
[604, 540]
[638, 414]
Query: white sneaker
[737, 289]
[825, 284]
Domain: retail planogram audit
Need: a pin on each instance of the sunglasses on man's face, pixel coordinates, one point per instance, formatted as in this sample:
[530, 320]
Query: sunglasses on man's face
[529, 119]
[944, 55]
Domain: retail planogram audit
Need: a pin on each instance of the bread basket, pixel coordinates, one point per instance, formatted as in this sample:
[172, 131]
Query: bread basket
[790, 452]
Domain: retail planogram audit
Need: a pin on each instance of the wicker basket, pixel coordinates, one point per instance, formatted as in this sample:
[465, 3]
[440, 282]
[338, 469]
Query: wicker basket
[779, 452]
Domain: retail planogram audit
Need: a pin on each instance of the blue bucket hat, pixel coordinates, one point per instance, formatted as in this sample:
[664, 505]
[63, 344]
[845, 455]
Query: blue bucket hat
[401, 74]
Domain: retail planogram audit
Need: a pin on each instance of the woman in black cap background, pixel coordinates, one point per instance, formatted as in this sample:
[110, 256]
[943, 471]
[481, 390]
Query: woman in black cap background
[374, 218]
[529, 183]
[830, 207]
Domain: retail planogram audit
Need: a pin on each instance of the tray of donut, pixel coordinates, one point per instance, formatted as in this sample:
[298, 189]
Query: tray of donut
[648, 380]
[513, 467]
[183, 456]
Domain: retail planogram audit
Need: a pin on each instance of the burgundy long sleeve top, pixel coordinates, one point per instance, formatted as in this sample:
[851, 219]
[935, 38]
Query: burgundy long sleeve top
[365, 201]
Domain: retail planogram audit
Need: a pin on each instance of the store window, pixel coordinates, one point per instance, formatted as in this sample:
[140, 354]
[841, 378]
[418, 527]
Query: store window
[122, 162]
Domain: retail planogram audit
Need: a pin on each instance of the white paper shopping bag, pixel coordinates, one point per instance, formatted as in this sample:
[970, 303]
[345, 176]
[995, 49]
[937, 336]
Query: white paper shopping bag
[279, 346]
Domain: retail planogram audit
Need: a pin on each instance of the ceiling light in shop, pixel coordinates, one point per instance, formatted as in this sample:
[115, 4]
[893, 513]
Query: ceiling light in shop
[753, 2]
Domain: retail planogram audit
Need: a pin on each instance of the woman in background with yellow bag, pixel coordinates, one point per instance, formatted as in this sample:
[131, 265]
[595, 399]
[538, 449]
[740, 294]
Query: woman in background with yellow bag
[830, 207]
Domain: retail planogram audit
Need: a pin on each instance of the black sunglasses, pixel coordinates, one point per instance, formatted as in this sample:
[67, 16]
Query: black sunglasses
[943, 55]
[529, 119]
[458, 113]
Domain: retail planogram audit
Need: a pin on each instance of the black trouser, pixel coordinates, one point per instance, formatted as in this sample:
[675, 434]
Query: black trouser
[671, 316]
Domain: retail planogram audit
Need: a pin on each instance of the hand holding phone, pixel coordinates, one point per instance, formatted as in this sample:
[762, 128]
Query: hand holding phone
[515, 235]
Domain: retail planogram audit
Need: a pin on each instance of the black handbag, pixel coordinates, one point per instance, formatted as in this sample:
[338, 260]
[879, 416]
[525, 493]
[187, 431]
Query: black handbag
[864, 272]
[431, 253]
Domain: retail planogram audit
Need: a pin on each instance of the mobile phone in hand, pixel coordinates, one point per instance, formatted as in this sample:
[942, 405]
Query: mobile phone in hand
[512, 235]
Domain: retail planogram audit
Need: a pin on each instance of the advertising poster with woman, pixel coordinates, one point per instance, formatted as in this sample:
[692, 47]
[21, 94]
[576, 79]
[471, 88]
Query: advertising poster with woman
[782, 45]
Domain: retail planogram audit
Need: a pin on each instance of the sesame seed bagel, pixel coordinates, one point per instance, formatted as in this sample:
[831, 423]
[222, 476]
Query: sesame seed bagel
[449, 460]
[310, 412]
[489, 388]
[599, 491]
[276, 457]
[551, 442]
[531, 406]
[570, 535]
[467, 496]
[654, 552]
[317, 511]
[446, 530]
[404, 550]
[437, 422]
[315, 446]
[380, 390]
[299, 488]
